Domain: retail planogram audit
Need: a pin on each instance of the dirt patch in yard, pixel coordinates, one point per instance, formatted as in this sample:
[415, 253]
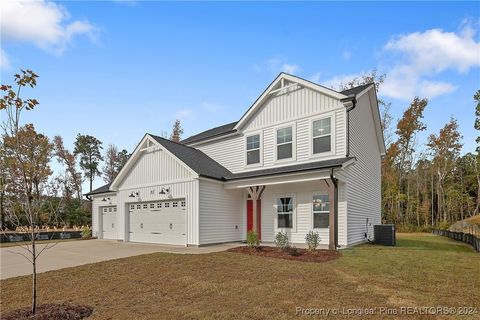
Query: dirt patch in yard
[50, 311]
[290, 254]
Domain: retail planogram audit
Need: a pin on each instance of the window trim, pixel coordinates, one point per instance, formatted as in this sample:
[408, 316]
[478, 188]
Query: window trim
[294, 213]
[250, 134]
[332, 151]
[293, 158]
[312, 218]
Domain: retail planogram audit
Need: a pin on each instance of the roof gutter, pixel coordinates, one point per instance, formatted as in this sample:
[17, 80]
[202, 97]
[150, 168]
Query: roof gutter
[350, 103]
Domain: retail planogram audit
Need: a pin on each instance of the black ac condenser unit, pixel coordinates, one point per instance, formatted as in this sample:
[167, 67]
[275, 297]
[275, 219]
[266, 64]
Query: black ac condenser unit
[384, 234]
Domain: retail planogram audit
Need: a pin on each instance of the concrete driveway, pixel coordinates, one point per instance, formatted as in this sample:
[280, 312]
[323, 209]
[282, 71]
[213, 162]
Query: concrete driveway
[76, 253]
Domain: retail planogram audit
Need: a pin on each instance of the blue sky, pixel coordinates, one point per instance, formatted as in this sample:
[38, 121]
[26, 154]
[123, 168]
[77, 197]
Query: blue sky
[119, 69]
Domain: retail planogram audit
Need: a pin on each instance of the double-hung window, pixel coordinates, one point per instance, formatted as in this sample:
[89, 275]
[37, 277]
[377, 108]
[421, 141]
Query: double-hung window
[284, 143]
[253, 149]
[321, 211]
[322, 135]
[285, 212]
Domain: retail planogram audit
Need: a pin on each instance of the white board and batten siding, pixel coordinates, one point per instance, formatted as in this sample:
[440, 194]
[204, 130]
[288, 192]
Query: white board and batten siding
[220, 213]
[154, 166]
[296, 108]
[364, 177]
[303, 194]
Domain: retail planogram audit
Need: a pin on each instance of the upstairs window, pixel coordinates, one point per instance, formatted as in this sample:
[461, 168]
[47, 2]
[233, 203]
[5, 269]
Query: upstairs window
[321, 211]
[322, 135]
[253, 149]
[284, 143]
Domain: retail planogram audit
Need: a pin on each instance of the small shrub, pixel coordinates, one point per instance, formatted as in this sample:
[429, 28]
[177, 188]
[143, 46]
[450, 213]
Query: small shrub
[281, 241]
[312, 240]
[252, 239]
[444, 225]
[294, 252]
[86, 232]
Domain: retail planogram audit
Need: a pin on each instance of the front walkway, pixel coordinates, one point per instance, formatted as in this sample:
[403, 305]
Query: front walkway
[75, 253]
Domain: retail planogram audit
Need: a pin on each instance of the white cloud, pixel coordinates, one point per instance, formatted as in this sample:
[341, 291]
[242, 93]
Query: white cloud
[183, 114]
[435, 50]
[277, 65]
[43, 23]
[337, 81]
[435, 88]
[290, 68]
[4, 60]
[420, 56]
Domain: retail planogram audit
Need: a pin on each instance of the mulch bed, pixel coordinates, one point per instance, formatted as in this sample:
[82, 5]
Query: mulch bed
[296, 254]
[49, 311]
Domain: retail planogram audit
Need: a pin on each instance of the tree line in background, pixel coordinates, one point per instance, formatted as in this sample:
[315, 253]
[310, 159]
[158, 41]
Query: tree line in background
[25, 166]
[425, 184]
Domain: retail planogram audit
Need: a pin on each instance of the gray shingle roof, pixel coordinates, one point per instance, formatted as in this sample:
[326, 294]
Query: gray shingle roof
[217, 131]
[102, 189]
[195, 159]
[355, 90]
[325, 164]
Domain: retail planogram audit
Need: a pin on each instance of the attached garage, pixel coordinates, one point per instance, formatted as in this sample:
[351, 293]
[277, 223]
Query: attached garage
[162, 222]
[109, 222]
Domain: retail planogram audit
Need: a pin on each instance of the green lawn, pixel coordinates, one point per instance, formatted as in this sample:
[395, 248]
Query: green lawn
[423, 270]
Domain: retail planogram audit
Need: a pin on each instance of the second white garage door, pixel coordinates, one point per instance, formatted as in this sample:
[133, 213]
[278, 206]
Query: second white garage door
[161, 222]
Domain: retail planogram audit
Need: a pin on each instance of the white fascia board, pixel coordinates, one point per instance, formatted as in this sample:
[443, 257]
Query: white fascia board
[378, 122]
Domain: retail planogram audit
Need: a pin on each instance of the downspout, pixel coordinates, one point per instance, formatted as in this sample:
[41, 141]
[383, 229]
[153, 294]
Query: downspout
[335, 205]
[350, 103]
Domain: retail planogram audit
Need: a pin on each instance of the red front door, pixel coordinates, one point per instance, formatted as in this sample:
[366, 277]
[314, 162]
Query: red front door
[250, 216]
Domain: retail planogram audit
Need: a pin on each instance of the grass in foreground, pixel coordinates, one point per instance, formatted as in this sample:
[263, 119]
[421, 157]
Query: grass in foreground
[423, 270]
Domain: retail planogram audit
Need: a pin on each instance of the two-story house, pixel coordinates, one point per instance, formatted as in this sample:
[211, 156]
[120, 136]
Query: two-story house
[303, 157]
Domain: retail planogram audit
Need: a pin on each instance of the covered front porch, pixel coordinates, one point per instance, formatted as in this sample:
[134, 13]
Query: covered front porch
[296, 204]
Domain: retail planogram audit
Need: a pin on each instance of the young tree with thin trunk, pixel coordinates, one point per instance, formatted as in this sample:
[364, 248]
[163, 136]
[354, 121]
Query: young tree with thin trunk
[88, 148]
[177, 131]
[30, 167]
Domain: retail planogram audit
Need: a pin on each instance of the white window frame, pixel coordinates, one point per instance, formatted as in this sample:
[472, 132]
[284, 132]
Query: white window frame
[294, 142]
[254, 133]
[312, 221]
[294, 213]
[330, 115]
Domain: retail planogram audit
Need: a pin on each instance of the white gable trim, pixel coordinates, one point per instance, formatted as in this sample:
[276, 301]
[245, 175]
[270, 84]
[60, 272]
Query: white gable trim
[281, 77]
[377, 119]
[146, 144]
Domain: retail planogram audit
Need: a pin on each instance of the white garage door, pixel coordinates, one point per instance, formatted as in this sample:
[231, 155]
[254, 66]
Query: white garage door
[158, 222]
[109, 222]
